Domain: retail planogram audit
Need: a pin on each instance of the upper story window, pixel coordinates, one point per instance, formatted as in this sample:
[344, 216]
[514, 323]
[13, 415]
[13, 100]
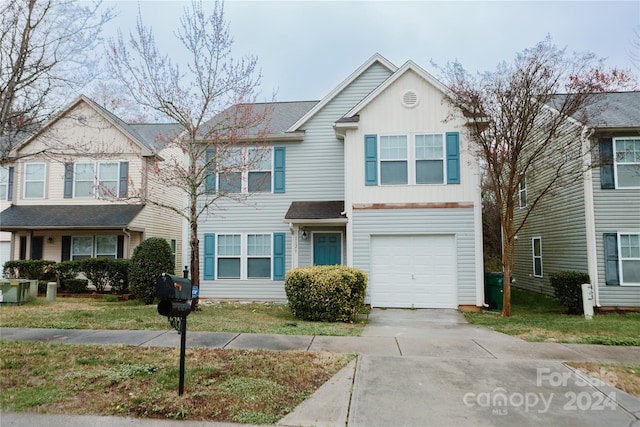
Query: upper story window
[246, 170]
[522, 192]
[6, 183]
[627, 162]
[34, 180]
[394, 159]
[412, 159]
[96, 179]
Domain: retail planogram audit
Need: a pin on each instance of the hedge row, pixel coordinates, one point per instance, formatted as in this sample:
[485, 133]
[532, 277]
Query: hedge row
[101, 272]
[567, 286]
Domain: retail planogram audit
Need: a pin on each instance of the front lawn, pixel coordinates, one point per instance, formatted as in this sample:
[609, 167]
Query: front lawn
[86, 313]
[540, 318]
[257, 387]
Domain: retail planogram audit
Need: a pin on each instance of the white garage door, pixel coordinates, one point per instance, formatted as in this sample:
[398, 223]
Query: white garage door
[413, 271]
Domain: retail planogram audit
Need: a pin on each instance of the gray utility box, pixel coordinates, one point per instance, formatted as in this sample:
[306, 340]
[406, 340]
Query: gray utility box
[14, 291]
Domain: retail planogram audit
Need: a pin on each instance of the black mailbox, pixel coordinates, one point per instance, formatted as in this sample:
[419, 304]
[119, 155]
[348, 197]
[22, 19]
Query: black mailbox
[174, 293]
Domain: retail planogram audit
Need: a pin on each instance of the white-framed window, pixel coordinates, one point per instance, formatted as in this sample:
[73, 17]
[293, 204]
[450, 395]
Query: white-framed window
[174, 250]
[536, 249]
[84, 176]
[108, 179]
[244, 256]
[34, 180]
[246, 170]
[96, 179]
[4, 183]
[83, 247]
[522, 192]
[629, 259]
[429, 152]
[627, 162]
[394, 159]
[416, 158]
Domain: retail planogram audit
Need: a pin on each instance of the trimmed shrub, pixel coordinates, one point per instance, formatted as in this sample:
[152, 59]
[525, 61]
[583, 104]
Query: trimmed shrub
[32, 269]
[568, 290]
[150, 259]
[328, 293]
[103, 272]
[119, 275]
[77, 286]
[66, 270]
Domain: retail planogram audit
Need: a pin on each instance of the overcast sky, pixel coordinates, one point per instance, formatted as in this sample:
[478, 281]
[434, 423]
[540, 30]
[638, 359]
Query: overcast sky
[306, 48]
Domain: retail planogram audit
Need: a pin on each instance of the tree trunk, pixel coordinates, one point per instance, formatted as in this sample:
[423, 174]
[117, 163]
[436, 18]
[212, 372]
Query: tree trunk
[195, 255]
[508, 252]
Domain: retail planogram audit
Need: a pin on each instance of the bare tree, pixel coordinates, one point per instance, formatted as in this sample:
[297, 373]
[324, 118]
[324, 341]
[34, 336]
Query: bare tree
[211, 98]
[519, 123]
[44, 56]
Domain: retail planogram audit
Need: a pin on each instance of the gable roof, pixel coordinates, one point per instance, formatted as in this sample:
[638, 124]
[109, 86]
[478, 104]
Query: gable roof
[408, 66]
[375, 58]
[18, 217]
[149, 139]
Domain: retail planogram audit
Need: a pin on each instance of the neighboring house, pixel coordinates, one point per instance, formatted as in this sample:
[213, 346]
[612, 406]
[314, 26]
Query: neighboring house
[64, 198]
[592, 225]
[372, 176]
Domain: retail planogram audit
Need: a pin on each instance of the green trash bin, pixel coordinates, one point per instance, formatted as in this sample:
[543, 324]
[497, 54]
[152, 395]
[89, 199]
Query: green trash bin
[493, 289]
[14, 291]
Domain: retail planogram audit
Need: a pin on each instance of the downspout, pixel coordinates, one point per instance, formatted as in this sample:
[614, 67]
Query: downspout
[589, 215]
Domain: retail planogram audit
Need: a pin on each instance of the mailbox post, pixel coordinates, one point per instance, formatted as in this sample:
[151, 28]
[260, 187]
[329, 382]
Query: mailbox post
[174, 293]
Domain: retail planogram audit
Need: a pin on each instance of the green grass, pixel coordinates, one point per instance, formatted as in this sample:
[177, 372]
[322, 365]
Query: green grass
[257, 387]
[86, 313]
[539, 318]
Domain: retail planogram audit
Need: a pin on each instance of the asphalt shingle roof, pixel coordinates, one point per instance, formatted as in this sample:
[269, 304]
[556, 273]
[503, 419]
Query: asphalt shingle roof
[68, 216]
[316, 210]
[613, 109]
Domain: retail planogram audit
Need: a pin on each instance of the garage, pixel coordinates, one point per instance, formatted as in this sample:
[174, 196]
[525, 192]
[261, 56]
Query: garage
[413, 271]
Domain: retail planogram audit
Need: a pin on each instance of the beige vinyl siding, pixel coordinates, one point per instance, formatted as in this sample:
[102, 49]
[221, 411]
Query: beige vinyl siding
[459, 222]
[615, 210]
[314, 170]
[386, 115]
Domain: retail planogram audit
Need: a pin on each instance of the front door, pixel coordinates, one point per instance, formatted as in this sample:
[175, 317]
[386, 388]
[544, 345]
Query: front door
[327, 248]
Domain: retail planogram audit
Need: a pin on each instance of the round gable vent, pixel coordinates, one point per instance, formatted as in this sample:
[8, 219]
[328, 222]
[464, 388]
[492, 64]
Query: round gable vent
[410, 99]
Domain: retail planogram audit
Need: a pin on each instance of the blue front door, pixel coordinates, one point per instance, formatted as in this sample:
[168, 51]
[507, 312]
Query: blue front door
[327, 249]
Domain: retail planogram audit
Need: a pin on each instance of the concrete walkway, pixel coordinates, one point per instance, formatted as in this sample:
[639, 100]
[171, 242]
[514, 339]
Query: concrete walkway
[416, 368]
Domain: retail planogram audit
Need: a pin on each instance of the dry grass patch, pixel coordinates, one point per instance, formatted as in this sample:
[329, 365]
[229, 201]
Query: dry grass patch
[220, 385]
[622, 376]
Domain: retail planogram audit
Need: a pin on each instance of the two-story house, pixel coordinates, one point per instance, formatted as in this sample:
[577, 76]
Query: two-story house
[593, 224]
[65, 197]
[371, 176]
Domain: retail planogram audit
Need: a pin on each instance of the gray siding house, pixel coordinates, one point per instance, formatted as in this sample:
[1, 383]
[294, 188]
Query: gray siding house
[370, 177]
[593, 224]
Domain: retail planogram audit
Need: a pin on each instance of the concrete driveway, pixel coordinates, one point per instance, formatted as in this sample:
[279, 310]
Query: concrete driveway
[467, 376]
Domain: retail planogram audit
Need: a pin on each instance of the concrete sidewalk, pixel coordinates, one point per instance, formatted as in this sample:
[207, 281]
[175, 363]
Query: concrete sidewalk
[416, 367]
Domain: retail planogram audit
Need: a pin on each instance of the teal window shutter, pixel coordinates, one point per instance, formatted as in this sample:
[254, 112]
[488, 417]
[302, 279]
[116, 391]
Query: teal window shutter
[68, 180]
[278, 169]
[453, 158]
[209, 256]
[210, 179]
[371, 160]
[607, 180]
[278, 256]
[124, 179]
[611, 275]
